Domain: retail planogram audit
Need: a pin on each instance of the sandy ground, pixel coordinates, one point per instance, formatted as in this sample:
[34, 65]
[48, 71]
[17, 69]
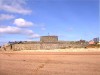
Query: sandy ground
[67, 50]
[49, 63]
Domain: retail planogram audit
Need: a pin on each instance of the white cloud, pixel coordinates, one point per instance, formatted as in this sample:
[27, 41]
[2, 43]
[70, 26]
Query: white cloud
[20, 22]
[14, 6]
[6, 17]
[28, 32]
[34, 36]
[10, 30]
[17, 30]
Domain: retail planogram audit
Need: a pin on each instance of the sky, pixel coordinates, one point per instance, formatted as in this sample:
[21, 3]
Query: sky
[70, 20]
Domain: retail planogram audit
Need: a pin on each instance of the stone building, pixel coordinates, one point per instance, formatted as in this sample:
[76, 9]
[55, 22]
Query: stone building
[46, 42]
[49, 39]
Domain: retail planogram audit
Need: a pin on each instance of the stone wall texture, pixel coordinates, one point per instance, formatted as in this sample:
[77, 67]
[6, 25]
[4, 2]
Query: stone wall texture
[26, 46]
[49, 38]
[41, 46]
[46, 42]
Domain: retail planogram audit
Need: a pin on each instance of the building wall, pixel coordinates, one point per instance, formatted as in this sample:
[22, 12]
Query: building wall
[72, 45]
[49, 38]
[46, 42]
[49, 46]
[40, 46]
[26, 46]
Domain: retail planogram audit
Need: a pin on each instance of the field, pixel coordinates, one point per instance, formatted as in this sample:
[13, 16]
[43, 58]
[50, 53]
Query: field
[49, 63]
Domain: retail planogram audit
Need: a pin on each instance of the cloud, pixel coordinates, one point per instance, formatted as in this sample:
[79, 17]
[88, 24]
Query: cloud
[20, 22]
[10, 30]
[34, 36]
[6, 17]
[17, 30]
[14, 6]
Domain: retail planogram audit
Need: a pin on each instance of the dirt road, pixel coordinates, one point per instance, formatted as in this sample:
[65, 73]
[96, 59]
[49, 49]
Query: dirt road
[40, 63]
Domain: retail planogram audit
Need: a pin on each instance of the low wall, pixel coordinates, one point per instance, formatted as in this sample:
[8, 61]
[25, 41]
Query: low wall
[72, 45]
[49, 46]
[26, 46]
[43, 45]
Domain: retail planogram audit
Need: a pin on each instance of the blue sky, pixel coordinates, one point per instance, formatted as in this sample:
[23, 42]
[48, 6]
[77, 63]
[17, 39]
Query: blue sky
[68, 19]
